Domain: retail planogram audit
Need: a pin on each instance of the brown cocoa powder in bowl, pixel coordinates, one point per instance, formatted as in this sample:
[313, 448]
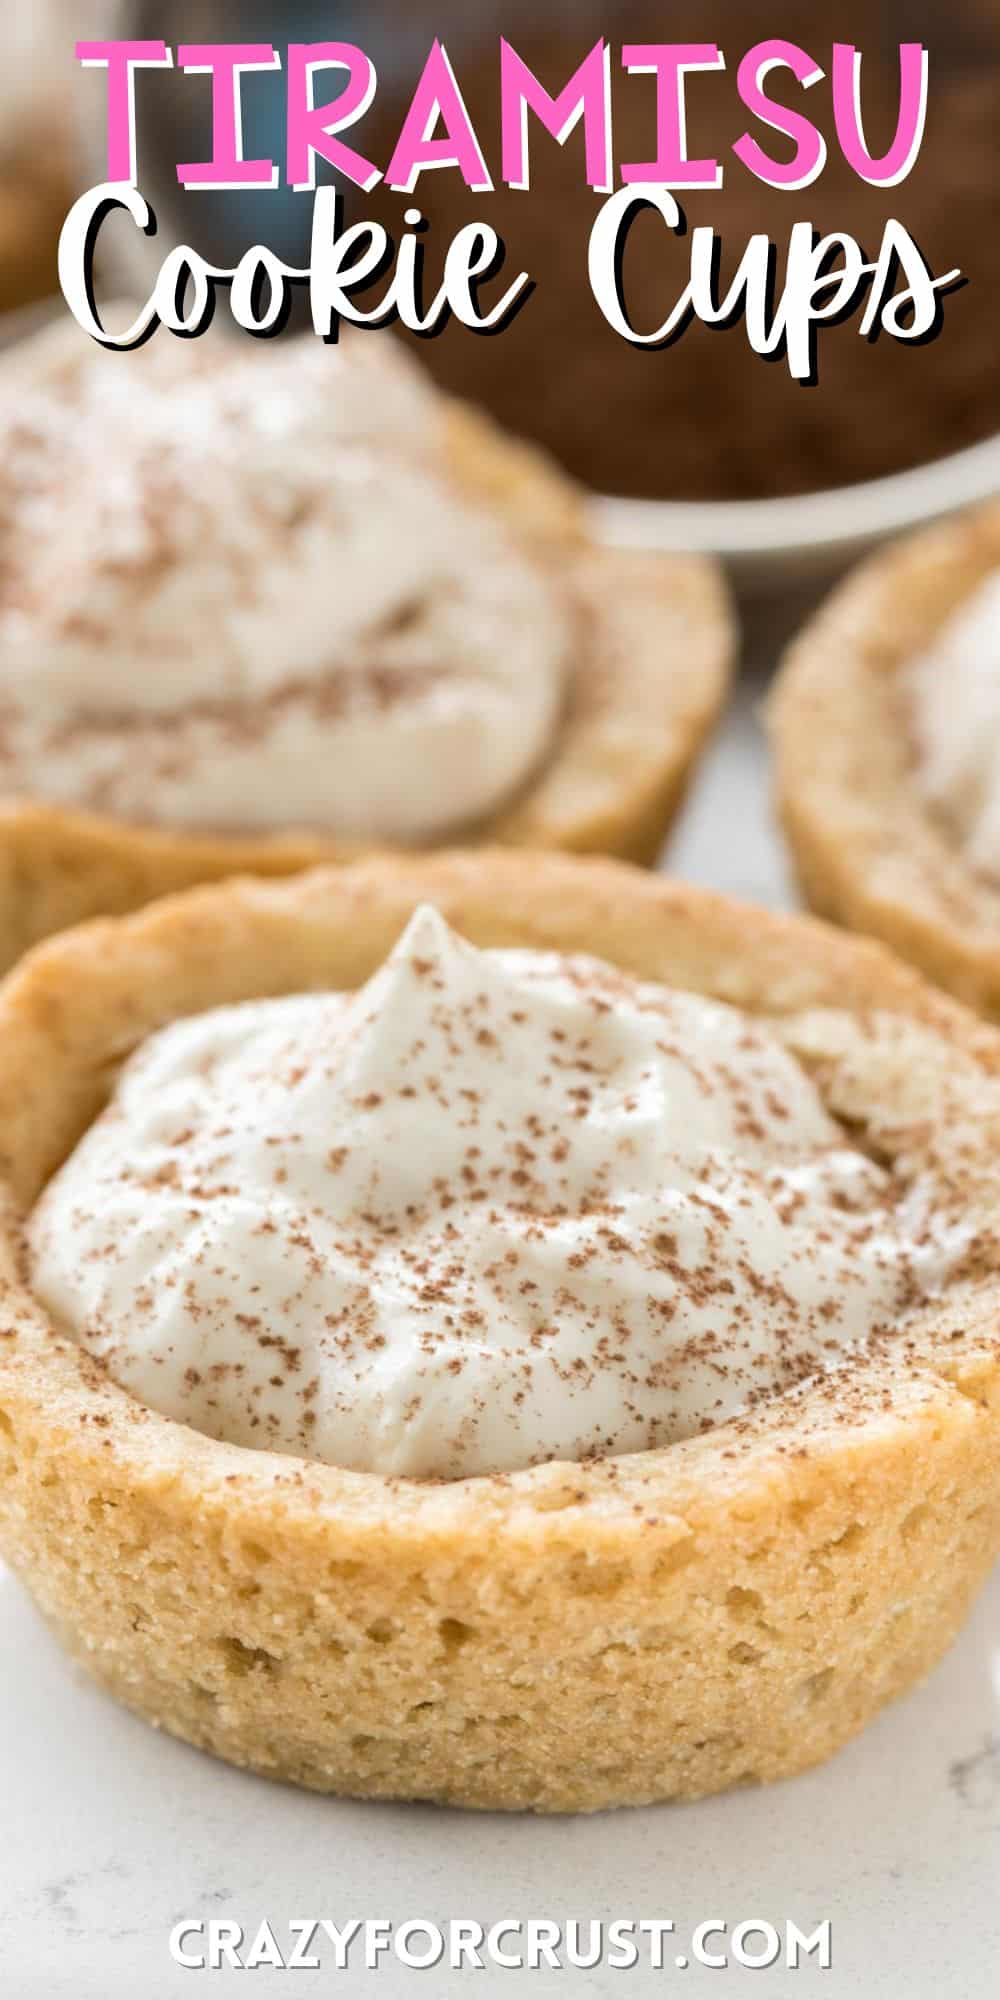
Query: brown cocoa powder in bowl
[706, 418]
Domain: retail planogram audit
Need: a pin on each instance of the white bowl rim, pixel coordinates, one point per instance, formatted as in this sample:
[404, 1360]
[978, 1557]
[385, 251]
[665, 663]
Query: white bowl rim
[825, 523]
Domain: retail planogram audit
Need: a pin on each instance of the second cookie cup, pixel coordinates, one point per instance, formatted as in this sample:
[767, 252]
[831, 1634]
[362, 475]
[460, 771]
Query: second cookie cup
[571, 1637]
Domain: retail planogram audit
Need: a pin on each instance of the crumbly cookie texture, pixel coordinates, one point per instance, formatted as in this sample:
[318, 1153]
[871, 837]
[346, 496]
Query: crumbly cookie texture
[873, 848]
[570, 1636]
[537, 689]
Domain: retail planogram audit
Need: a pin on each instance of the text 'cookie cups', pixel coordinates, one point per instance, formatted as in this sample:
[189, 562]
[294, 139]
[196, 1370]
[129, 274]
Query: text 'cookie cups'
[266, 609]
[568, 1636]
[885, 723]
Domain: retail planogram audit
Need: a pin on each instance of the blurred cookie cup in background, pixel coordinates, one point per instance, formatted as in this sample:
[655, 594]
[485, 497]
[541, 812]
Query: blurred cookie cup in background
[263, 604]
[505, 1330]
[39, 151]
[886, 729]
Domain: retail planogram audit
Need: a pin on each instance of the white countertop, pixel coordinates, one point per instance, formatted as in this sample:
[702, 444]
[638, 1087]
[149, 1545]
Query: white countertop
[110, 1834]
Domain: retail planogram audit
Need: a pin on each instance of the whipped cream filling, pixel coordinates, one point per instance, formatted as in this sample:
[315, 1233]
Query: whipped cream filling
[495, 1208]
[953, 690]
[238, 592]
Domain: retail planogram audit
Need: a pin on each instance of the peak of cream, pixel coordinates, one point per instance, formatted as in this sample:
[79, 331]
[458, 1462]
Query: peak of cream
[239, 592]
[954, 692]
[495, 1208]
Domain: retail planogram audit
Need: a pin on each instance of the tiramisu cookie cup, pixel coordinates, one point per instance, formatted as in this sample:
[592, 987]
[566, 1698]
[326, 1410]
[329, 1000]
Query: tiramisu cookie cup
[520, 1338]
[261, 607]
[886, 728]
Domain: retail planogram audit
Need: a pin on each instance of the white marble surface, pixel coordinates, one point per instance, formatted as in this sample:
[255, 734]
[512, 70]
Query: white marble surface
[109, 1834]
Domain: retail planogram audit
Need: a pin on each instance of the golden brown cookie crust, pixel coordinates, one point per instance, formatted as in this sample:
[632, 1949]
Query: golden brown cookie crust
[867, 850]
[655, 647]
[575, 1636]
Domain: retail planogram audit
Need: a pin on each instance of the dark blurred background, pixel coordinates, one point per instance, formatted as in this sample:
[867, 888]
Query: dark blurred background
[704, 418]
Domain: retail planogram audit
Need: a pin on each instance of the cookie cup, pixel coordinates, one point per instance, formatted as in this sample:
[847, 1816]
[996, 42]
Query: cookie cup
[575, 1636]
[654, 640]
[37, 189]
[868, 850]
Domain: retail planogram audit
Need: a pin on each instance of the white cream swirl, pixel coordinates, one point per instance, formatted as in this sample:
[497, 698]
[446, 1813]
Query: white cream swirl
[495, 1208]
[954, 695]
[239, 592]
